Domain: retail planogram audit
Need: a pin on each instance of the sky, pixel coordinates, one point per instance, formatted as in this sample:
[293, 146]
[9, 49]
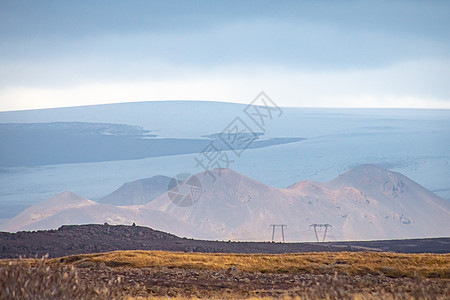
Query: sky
[301, 53]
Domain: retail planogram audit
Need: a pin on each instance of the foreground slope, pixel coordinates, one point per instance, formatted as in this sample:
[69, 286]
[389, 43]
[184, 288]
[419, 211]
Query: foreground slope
[162, 275]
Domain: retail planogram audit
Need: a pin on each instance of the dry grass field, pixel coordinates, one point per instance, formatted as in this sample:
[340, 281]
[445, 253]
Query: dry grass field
[179, 275]
[348, 263]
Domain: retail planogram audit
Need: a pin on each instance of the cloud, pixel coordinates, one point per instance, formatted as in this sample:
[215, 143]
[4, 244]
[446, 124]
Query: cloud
[418, 84]
[306, 53]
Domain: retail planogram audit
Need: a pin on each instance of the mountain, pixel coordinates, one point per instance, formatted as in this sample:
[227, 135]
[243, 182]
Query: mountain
[376, 203]
[138, 192]
[411, 141]
[69, 208]
[411, 201]
[367, 202]
[45, 209]
[227, 208]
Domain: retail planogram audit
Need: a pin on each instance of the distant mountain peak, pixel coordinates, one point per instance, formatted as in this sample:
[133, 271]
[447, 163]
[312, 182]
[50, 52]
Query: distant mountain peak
[224, 173]
[138, 192]
[367, 174]
[67, 197]
[47, 208]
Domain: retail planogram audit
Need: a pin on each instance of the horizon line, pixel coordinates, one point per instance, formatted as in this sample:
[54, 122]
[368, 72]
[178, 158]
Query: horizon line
[222, 102]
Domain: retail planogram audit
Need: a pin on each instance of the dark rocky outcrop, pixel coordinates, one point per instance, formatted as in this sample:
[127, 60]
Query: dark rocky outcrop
[78, 239]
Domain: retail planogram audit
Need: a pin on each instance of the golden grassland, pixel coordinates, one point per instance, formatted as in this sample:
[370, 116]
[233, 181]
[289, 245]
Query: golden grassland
[349, 263]
[178, 275]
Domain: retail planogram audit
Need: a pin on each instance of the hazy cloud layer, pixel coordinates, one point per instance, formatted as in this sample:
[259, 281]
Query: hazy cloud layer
[313, 53]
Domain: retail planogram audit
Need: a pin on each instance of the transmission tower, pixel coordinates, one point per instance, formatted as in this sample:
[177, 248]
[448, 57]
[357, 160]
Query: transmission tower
[320, 226]
[281, 226]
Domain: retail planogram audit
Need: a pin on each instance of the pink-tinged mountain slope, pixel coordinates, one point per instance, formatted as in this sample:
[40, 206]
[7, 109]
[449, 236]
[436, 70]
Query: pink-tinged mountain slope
[397, 200]
[49, 207]
[367, 202]
[69, 208]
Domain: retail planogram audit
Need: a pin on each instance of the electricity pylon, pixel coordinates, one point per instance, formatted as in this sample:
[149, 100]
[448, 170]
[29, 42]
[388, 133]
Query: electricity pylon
[282, 226]
[315, 226]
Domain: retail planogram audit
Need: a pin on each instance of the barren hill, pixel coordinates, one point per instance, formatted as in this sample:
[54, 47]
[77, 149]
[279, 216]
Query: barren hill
[93, 238]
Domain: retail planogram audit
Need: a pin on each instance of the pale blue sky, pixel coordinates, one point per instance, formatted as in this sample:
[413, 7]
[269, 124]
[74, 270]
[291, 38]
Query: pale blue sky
[301, 53]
